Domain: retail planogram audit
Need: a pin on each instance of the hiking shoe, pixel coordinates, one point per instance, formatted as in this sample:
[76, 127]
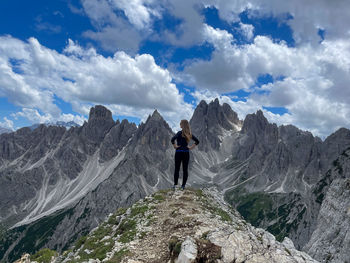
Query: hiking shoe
[174, 187]
[183, 187]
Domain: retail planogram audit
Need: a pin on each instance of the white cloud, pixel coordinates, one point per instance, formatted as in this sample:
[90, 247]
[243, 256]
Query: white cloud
[78, 119]
[139, 12]
[82, 77]
[115, 32]
[34, 116]
[247, 30]
[314, 88]
[113, 38]
[7, 124]
[112, 32]
[307, 16]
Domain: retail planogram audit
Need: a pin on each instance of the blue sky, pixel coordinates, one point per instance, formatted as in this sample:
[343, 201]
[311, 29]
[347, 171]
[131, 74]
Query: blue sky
[59, 58]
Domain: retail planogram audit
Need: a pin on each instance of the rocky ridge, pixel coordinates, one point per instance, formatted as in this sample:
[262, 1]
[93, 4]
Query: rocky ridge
[4, 130]
[181, 226]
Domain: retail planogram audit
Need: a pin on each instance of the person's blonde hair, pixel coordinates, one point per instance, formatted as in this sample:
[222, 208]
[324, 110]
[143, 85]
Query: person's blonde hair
[186, 130]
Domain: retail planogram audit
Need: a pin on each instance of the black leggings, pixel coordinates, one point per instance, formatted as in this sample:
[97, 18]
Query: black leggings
[183, 157]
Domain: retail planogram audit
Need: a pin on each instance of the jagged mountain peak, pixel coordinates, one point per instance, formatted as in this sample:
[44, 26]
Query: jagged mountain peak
[186, 226]
[155, 116]
[287, 132]
[220, 114]
[255, 122]
[154, 134]
[153, 121]
[99, 124]
[100, 112]
[211, 122]
[342, 133]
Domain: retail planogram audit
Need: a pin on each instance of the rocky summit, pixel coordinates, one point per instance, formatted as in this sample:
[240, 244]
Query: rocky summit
[193, 225]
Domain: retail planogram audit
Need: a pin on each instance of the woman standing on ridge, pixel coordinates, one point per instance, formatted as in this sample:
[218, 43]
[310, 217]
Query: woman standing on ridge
[182, 153]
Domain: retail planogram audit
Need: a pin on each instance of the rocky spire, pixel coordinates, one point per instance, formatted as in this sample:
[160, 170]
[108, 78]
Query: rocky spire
[255, 122]
[209, 121]
[153, 135]
[100, 122]
[100, 113]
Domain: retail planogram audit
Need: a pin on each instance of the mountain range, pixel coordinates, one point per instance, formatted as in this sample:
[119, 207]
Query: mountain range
[57, 185]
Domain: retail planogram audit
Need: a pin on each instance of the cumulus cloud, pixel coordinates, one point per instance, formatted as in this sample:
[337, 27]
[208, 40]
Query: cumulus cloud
[247, 30]
[34, 116]
[139, 12]
[7, 124]
[313, 87]
[115, 32]
[305, 18]
[82, 77]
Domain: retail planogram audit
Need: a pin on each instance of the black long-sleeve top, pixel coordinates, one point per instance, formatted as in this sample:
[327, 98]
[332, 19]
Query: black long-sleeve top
[181, 141]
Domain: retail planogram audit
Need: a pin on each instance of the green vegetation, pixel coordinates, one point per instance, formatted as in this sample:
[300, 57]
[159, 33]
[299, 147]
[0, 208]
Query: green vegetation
[112, 220]
[139, 210]
[208, 205]
[143, 234]
[31, 237]
[128, 236]
[98, 249]
[80, 242]
[199, 193]
[44, 255]
[127, 230]
[284, 225]
[159, 197]
[66, 252]
[120, 211]
[205, 235]
[93, 247]
[269, 211]
[254, 207]
[102, 231]
[174, 246]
